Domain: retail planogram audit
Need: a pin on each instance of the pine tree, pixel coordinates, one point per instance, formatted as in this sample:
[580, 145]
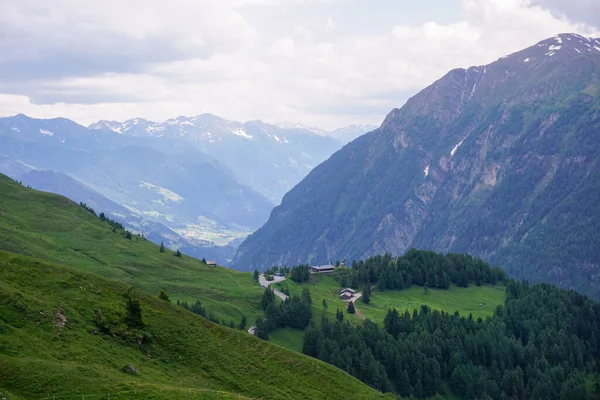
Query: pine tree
[267, 298]
[177, 253]
[134, 313]
[162, 247]
[339, 315]
[351, 309]
[366, 294]
[243, 323]
[256, 275]
[325, 304]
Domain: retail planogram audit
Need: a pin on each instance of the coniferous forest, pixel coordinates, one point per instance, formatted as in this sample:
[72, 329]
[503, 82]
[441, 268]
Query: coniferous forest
[542, 344]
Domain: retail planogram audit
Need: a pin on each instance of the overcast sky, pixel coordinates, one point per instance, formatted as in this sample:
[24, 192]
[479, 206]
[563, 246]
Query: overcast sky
[325, 63]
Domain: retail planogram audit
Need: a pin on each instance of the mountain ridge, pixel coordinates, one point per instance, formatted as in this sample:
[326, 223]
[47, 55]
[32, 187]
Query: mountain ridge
[476, 151]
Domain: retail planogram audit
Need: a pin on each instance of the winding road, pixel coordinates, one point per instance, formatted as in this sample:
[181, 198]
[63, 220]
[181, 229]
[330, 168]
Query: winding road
[265, 283]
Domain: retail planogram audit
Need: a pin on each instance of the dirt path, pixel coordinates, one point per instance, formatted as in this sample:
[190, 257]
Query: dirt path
[358, 313]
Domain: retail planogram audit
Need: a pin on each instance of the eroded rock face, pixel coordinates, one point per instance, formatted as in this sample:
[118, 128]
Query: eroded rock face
[500, 161]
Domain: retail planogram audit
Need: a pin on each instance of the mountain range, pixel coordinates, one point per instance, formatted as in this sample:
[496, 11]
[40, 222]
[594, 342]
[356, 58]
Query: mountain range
[193, 183]
[499, 161]
[270, 159]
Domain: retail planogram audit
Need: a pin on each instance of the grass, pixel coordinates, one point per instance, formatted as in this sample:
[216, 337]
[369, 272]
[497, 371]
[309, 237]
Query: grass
[464, 300]
[187, 357]
[322, 287]
[292, 339]
[53, 228]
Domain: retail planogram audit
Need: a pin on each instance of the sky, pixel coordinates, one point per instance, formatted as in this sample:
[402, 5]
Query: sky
[323, 63]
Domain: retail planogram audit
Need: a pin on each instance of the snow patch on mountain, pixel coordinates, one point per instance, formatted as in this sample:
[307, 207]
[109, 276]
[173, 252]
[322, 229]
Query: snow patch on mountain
[453, 152]
[426, 170]
[241, 132]
[46, 132]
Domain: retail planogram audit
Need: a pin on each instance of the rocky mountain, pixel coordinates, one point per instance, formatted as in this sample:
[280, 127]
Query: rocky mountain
[500, 161]
[171, 191]
[267, 158]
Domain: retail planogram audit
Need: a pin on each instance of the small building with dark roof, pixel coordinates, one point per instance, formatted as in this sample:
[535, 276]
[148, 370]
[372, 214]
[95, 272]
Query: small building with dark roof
[322, 269]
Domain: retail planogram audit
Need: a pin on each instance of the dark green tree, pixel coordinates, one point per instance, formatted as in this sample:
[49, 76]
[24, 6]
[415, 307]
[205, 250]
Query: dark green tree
[162, 247]
[325, 305]
[366, 294]
[262, 328]
[339, 315]
[243, 323]
[177, 253]
[134, 313]
[351, 309]
[306, 296]
[268, 297]
[256, 275]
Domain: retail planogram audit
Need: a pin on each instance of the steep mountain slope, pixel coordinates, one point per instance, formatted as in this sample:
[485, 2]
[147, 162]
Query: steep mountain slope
[270, 159]
[162, 182]
[499, 161]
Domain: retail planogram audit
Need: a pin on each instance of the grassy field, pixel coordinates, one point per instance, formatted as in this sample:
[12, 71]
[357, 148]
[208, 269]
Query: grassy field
[185, 356]
[464, 300]
[322, 287]
[288, 338]
[52, 228]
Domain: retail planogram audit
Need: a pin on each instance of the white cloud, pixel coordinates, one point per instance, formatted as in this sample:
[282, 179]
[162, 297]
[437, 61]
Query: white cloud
[156, 59]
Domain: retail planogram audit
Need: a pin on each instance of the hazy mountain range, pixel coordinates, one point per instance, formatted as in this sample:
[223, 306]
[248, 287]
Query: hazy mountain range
[270, 159]
[200, 184]
[501, 161]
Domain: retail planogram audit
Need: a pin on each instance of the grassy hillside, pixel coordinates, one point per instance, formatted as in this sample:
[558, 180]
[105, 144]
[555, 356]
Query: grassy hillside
[180, 356]
[52, 228]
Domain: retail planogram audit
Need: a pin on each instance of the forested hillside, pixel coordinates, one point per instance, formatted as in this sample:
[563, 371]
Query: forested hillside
[541, 345]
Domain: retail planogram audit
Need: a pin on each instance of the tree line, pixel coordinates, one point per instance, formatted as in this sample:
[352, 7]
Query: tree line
[422, 268]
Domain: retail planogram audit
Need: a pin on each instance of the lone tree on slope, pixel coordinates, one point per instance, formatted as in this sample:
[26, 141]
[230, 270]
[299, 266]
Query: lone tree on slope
[351, 309]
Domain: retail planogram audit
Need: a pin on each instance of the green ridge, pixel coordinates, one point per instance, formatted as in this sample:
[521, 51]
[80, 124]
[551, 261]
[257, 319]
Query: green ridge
[178, 354]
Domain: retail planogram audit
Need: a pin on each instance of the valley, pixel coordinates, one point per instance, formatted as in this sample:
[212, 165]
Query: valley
[449, 252]
[184, 182]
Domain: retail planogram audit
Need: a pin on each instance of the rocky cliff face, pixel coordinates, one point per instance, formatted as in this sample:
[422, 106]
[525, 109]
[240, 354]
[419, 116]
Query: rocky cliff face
[500, 161]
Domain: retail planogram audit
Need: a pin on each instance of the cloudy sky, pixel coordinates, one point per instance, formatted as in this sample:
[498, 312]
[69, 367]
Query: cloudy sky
[325, 63]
